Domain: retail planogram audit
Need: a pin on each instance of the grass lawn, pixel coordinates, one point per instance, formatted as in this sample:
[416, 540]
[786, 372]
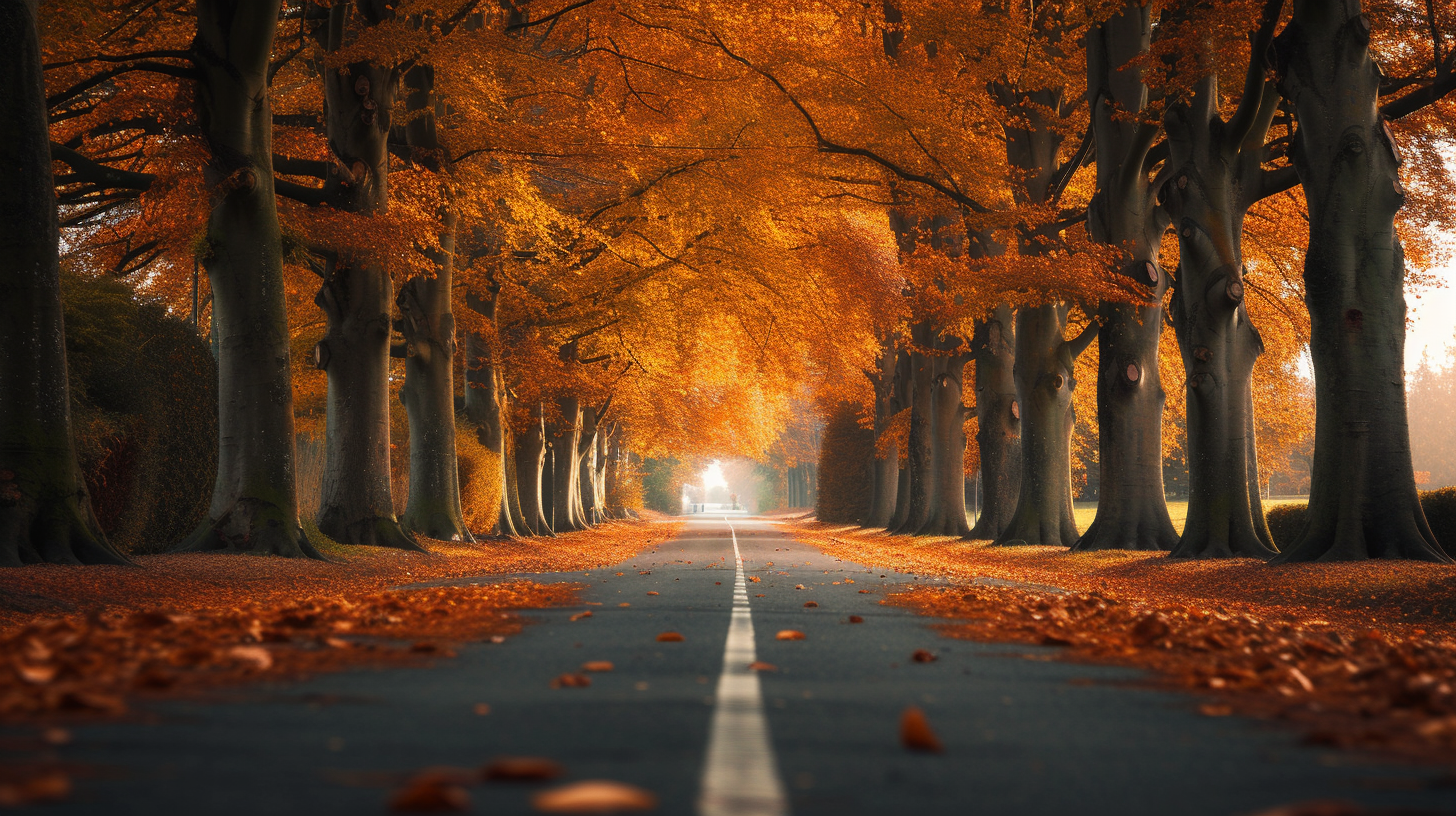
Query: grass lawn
[1178, 510]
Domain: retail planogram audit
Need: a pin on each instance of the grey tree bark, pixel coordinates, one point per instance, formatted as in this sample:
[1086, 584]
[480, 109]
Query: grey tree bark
[1215, 177]
[884, 470]
[921, 459]
[1132, 512]
[1044, 385]
[530, 459]
[357, 296]
[45, 511]
[1363, 501]
[254, 501]
[998, 425]
[428, 325]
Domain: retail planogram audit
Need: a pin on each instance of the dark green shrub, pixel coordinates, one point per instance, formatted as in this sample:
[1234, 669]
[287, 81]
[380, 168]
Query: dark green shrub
[144, 413]
[844, 454]
[1286, 521]
[661, 491]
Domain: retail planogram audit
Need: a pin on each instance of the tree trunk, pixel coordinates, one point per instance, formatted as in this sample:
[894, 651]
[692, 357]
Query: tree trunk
[998, 422]
[948, 517]
[255, 499]
[530, 455]
[1044, 384]
[1215, 178]
[45, 511]
[883, 470]
[429, 398]
[357, 296]
[921, 461]
[428, 325]
[565, 439]
[1363, 501]
[1132, 513]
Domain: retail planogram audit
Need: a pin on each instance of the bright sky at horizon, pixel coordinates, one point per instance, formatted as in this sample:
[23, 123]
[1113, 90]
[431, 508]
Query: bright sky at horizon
[1432, 326]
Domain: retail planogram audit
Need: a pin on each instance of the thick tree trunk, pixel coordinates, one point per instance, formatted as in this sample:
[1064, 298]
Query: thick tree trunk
[586, 466]
[45, 511]
[565, 481]
[1044, 384]
[1363, 501]
[998, 422]
[921, 461]
[357, 296]
[1132, 513]
[254, 500]
[948, 517]
[530, 456]
[1215, 178]
[883, 470]
[428, 325]
[429, 398]
[357, 506]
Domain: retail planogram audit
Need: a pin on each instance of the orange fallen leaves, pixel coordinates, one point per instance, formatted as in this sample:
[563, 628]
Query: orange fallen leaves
[481, 709]
[856, 619]
[521, 769]
[581, 616]
[810, 604]
[759, 665]
[789, 634]
[924, 656]
[798, 586]
[916, 733]
[431, 792]
[571, 680]
[45, 787]
[594, 796]
[597, 666]
[670, 637]
[89, 664]
[652, 592]
[754, 579]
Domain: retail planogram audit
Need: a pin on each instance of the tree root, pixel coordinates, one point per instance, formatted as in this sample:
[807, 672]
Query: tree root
[251, 526]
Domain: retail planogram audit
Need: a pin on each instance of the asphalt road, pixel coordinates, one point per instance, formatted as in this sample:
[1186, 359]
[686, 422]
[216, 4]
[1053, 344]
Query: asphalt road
[1023, 733]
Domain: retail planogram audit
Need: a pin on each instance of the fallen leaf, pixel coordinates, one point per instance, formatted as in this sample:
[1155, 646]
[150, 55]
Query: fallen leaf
[521, 769]
[669, 637]
[760, 596]
[620, 574]
[924, 656]
[652, 592]
[431, 792]
[258, 656]
[759, 665]
[798, 586]
[810, 604]
[1214, 710]
[481, 709]
[1303, 681]
[753, 579]
[856, 619]
[36, 675]
[789, 634]
[570, 680]
[597, 666]
[47, 787]
[578, 616]
[864, 592]
[624, 603]
[594, 796]
[915, 732]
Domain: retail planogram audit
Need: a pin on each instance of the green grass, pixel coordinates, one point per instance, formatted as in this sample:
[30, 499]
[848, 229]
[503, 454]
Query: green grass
[1177, 510]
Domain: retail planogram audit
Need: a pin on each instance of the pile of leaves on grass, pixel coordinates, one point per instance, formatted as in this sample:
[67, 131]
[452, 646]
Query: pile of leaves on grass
[1363, 688]
[91, 664]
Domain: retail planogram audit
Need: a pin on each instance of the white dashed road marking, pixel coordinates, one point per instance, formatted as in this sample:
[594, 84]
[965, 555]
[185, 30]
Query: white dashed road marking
[741, 776]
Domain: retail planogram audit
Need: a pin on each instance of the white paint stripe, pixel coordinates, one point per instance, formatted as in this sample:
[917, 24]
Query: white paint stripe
[741, 777]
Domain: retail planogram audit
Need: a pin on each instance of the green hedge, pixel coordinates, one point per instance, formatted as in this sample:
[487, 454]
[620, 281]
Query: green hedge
[844, 454]
[143, 412]
[1287, 520]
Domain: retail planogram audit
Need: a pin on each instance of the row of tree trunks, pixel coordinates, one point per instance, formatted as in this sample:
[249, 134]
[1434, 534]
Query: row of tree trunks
[998, 421]
[801, 485]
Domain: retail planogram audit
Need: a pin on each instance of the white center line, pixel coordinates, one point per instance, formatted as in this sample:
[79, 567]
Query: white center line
[741, 777]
